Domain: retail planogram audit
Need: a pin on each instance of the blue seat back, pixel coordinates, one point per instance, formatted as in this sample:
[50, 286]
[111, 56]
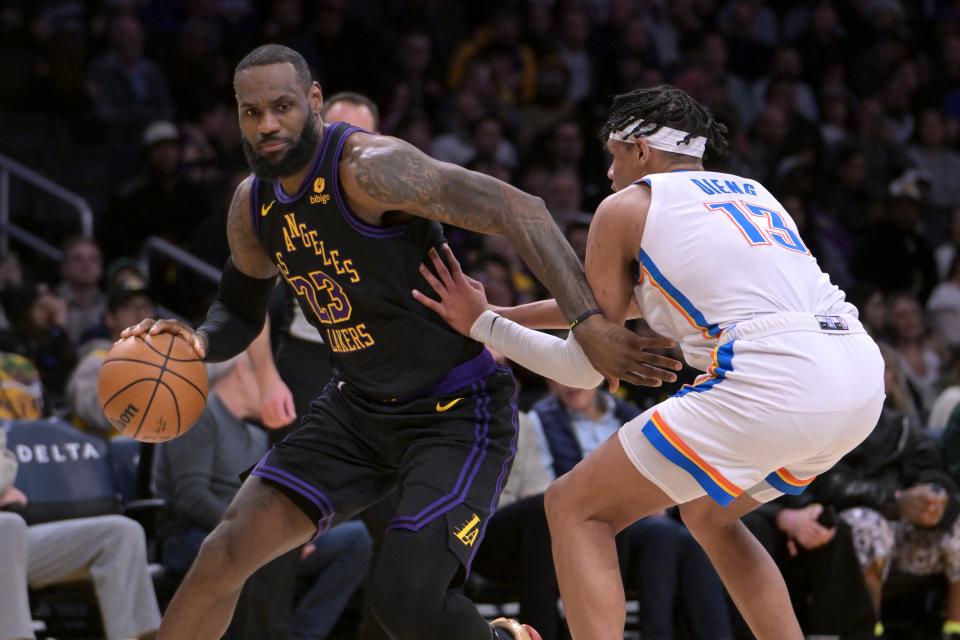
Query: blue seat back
[64, 472]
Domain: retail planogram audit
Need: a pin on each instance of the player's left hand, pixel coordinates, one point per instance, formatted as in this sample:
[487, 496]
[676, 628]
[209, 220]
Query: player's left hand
[619, 354]
[462, 299]
[276, 405]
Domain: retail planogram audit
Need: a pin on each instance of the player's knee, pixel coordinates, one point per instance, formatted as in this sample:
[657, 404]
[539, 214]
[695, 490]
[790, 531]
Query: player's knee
[559, 505]
[401, 605]
[219, 559]
[702, 522]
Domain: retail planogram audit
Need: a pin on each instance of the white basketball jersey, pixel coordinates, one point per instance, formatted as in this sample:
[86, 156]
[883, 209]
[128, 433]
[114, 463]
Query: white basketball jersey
[718, 249]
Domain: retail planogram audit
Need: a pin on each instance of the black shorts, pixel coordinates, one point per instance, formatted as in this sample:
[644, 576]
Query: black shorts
[447, 455]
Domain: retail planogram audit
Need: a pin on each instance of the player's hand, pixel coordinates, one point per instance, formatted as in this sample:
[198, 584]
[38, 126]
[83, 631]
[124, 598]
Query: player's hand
[801, 528]
[462, 299]
[923, 505]
[154, 327]
[276, 405]
[619, 354]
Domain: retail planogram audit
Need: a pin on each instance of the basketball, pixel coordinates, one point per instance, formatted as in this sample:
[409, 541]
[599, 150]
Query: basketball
[152, 388]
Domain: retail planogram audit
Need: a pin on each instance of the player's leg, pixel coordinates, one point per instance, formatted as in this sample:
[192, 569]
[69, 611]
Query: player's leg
[261, 524]
[587, 508]
[409, 591]
[747, 570]
[452, 468]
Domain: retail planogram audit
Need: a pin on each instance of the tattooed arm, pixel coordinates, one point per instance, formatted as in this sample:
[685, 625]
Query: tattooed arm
[379, 174]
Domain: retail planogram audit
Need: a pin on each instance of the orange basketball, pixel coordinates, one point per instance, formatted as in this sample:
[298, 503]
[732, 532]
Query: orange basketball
[152, 388]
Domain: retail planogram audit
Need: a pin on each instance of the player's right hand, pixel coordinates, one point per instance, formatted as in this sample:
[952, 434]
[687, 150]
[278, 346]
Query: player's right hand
[177, 328]
[619, 354]
[462, 299]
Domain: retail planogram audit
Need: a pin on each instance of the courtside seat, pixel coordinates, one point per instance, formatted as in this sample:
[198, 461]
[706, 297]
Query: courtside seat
[66, 474]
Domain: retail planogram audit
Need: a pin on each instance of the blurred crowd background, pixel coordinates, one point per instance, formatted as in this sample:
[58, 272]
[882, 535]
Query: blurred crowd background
[847, 110]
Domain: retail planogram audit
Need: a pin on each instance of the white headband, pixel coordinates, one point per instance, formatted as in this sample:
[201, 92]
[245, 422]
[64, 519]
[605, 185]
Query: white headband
[665, 139]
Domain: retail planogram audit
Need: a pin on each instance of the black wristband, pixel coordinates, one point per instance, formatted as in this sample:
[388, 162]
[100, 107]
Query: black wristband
[583, 316]
[237, 315]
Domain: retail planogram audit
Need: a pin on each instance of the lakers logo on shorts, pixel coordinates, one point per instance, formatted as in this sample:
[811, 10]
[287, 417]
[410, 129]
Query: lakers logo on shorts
[469, 531]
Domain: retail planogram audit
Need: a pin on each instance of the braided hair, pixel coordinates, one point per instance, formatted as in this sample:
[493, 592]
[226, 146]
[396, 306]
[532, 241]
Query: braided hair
[666, 106]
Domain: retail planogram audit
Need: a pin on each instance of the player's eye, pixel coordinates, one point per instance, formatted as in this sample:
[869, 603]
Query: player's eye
[283, 108]
[250, 112]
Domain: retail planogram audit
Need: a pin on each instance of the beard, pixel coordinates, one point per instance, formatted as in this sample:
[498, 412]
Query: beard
[295, 158]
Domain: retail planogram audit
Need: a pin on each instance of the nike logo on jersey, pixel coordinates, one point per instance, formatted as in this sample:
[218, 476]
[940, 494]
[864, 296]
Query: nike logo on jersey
[265, 208]
[446, 407]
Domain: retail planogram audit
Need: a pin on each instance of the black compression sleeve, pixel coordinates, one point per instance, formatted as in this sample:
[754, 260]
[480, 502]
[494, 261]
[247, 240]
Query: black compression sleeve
[237, 316]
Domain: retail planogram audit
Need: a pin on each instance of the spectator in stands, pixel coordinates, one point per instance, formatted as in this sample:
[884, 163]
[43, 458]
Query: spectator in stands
[81, 270]
[551, 104]
[129, 302]
[893, 254]
[11, 282]
[919, 362]
[110, 550]
[128, 90]
[196, 69]
[21, 393]
[455, 145]
[563, 197]
[497, 43]
[198, 475]
[847, 193]
[872, 305]
[574, 34]
[160, 203]
[576, 232]
[354, 108]
[817, 558]
[40, 334]
[948, 400]
[902, 506]
[413, 88]
[933, 153]
[712, 61]
[948, 249]
[208, 141]
[943, 307]
[417, 130]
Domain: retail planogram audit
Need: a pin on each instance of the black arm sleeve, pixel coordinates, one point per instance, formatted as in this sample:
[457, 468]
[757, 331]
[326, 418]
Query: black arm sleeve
[236, 318]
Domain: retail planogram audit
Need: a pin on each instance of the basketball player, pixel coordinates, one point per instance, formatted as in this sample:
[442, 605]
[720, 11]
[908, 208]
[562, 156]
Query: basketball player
[792, 380]
[346, 217]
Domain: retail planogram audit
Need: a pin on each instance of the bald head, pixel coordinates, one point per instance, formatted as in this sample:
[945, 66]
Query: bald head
[352, 108]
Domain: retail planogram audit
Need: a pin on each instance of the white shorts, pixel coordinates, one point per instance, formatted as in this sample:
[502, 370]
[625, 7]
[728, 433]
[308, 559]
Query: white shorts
[786, 397]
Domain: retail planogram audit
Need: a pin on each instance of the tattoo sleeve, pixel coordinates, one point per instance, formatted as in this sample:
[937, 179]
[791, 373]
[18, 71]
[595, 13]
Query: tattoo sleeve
[392, 174]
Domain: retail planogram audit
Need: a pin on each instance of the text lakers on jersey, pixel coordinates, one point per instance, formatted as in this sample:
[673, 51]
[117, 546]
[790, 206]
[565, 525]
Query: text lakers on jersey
[325, 296]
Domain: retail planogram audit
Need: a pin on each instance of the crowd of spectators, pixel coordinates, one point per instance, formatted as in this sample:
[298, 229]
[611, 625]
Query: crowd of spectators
[847, 110]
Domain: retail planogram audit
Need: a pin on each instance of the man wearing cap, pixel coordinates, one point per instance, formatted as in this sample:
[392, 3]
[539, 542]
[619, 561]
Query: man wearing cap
[161, 202]
[128, 302]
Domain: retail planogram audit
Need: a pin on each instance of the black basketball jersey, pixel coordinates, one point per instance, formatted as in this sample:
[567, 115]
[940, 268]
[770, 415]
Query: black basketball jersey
[353, 280]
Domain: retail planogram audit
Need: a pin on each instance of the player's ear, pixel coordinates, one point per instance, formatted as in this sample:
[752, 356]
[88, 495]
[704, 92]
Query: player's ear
[642, 149]
[315, 95]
